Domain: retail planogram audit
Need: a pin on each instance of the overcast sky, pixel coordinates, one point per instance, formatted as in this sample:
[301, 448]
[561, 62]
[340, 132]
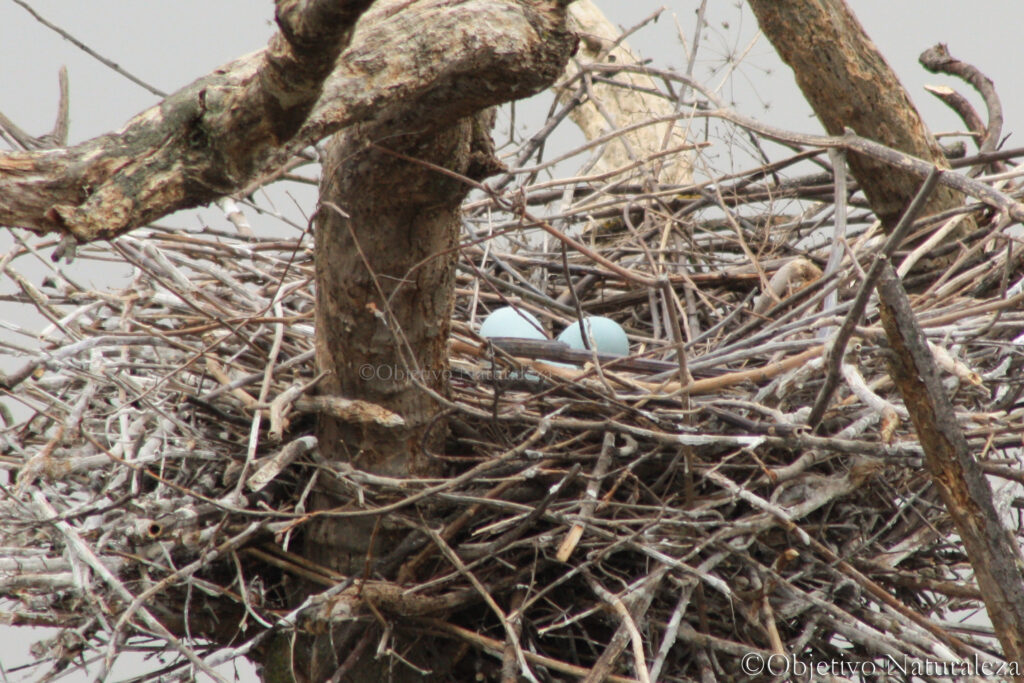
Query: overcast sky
[169, 44]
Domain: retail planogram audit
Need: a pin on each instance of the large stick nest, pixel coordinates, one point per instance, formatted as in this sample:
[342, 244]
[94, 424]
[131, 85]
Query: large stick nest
[608, 517]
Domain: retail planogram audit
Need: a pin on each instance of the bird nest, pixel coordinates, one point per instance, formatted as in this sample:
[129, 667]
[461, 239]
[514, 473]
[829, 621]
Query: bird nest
[656, 517]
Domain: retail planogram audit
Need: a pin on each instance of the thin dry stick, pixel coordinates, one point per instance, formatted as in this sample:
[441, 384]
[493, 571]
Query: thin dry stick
[497, 647]
[672, 304]
[89, 51]
[836, 351]
[83, 551]
[835, 257]
[643, 596]
[946, 637]
[572, 538]
[511, 632]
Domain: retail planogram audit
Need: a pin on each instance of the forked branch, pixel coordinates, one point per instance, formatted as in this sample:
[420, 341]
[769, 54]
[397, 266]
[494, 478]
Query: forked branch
[406, 63]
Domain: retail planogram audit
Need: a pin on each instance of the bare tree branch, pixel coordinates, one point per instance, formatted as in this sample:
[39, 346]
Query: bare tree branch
[851, 86]
[938, 60]
[993, 551]
[89, 51]
[216, 135]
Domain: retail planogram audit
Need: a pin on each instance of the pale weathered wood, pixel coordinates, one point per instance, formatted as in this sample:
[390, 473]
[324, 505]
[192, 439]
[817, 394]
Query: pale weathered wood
[629, 102]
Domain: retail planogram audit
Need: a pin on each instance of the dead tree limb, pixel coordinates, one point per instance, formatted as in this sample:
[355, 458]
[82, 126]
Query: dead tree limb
[621, 100]
[993, 552]
[851, 86]
[938, 60]
[201, 142]
[215, 136]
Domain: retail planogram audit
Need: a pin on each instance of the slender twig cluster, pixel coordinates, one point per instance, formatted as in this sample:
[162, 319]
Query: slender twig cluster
[648, 518]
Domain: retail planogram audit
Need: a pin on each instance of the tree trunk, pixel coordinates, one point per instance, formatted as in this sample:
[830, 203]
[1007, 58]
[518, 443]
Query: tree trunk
[386, 233]
[410, 87]
[850, 85]
[386, 236]
[384, 297]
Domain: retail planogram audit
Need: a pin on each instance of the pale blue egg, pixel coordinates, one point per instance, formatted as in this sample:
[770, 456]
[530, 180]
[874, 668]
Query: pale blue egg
[511, 322]
[608, 337]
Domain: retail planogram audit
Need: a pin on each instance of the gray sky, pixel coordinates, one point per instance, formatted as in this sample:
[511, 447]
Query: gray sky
[169, 44]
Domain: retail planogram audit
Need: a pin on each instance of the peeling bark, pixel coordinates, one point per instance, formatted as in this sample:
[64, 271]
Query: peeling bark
[408, 66]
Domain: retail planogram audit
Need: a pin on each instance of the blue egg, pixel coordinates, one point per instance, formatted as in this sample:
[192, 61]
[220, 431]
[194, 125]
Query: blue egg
[511, 322]
[517, 323]
[606, 334]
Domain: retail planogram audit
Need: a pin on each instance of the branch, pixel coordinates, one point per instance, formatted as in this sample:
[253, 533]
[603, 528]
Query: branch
[621, 101]
[850, 86]
[850, 141]
[837, 349]
[991, 548]
[88, 50]
[405, 64]
[938, 60]
[200, 142]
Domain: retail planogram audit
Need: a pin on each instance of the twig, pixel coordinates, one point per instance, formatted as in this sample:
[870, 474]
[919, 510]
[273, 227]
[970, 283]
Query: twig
[85, 553]
[837, 349]
[89, 51]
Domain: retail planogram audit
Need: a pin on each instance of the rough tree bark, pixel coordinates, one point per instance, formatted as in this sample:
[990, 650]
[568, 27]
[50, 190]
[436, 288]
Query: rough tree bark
[207, 140]
[386, 236]
[221, 134]
[992, 549]
[850, 85]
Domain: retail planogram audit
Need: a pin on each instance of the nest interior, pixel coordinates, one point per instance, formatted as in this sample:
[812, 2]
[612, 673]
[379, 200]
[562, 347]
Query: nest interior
[664, 511]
